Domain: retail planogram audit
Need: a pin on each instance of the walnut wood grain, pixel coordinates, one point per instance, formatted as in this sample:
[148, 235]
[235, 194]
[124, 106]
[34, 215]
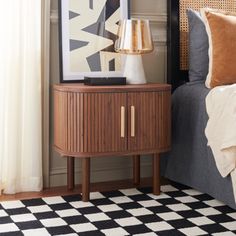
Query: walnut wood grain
[103, 123]
[81, 88]
[109, 154]
[70, 173]
[85, 179]
[136, 170]
[156, 173]
[152, 120]
[89, 122]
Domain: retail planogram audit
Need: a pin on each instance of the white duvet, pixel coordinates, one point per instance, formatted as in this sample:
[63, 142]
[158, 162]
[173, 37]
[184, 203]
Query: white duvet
[221, 129]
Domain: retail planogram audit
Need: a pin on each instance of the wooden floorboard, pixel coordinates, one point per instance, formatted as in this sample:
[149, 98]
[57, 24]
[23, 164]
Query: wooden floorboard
[62, 191]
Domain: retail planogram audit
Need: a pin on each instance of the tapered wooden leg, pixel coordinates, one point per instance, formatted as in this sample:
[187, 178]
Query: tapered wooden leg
[85, 179]
[156, 174]
[136, 169]
[70, 173]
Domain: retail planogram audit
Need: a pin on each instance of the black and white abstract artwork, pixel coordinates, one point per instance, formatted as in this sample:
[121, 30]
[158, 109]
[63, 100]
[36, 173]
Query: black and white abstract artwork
[88, 30]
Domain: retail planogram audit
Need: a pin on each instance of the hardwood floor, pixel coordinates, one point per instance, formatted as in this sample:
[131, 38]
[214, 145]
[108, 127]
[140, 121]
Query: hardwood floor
[62, 191]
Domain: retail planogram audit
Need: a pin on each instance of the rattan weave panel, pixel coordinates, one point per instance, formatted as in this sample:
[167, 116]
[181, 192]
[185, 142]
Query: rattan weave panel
[226, 5]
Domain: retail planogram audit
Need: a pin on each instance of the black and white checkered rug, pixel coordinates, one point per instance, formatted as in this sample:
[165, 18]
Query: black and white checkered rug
[177, 211]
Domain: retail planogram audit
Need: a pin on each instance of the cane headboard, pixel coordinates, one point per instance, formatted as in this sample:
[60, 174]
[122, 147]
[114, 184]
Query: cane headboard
[178, 34]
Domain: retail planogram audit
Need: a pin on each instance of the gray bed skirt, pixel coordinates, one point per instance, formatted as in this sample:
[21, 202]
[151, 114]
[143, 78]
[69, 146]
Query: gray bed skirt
[190, 161]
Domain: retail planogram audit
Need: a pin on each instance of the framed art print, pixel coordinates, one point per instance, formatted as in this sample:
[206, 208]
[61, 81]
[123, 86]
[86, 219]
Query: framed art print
[88, 30]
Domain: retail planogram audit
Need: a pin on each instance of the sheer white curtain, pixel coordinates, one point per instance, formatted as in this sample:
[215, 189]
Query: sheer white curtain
[20, 96]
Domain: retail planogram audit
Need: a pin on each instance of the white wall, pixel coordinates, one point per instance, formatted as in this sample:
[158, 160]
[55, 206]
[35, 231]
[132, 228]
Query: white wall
[113, 168]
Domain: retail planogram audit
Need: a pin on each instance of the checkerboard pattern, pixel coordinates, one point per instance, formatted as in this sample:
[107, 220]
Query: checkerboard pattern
[179, 210]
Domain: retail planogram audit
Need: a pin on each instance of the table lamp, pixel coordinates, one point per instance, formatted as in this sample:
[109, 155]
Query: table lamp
[134, 39]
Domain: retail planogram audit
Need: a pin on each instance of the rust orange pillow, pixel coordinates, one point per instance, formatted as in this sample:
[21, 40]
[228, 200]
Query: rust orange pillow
[221, 30]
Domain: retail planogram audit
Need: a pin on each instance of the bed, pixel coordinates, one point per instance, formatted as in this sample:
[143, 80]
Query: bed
[190, 161]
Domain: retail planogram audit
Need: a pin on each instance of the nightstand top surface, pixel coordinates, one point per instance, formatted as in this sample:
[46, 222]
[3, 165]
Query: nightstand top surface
[80, 87]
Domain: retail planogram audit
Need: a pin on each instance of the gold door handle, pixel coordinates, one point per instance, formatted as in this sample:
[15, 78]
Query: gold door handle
[132, 121]
[122, 122]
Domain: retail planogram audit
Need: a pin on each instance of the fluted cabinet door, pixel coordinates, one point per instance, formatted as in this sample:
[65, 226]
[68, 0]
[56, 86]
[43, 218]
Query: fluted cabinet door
[149, 121]
[104, 122]
[88, 123]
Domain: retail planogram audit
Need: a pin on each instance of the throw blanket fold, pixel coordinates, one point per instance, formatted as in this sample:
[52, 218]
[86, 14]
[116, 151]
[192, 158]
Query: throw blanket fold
[221, 129]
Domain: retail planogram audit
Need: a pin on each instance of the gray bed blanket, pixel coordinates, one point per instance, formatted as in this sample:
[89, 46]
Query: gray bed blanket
[191, 161]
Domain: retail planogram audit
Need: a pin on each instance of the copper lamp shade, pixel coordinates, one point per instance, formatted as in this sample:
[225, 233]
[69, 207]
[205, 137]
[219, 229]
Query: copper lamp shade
[134, 37]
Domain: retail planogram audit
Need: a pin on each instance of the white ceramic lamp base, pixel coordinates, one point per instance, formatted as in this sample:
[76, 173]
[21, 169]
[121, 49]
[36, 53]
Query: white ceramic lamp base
[134, 71]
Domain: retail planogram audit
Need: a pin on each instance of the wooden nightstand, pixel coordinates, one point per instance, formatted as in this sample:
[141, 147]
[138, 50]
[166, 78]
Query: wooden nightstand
[92, 121]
